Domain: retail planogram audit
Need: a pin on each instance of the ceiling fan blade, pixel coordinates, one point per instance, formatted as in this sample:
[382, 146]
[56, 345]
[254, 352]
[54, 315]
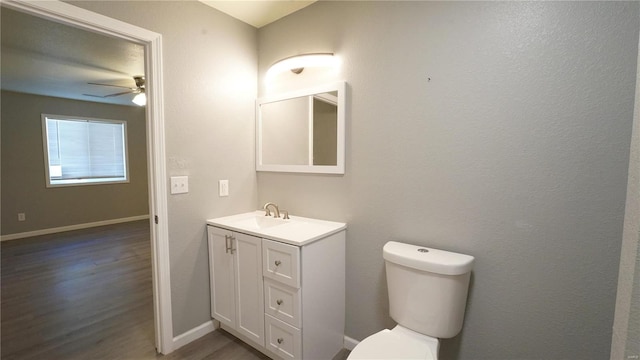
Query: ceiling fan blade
[139, 88]
[120, 86]
[121, 93]
[112, 95]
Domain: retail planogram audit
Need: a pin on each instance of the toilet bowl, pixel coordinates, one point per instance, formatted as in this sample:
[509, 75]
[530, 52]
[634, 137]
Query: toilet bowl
[427, 291]
[399, 343]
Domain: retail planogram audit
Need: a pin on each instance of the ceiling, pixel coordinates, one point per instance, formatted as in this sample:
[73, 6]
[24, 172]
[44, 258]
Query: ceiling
[44, 58]
[47, 58]
[258, 13]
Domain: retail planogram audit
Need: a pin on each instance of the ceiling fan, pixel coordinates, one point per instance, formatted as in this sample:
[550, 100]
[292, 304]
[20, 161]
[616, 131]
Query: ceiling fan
[140, 99]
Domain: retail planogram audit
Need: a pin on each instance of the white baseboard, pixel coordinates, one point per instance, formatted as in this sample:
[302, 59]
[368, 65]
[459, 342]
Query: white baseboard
[193, 334]
[71, 227]
[209, 326]
[350, 343]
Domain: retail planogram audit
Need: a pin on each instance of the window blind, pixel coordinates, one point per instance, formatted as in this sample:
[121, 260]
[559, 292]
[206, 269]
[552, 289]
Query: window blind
[86, 149]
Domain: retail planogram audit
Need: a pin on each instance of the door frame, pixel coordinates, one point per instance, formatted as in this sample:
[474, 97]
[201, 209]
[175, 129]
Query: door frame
[156, 159]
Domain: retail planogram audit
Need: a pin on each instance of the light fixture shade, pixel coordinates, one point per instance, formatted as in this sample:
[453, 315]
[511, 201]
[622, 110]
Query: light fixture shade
[140, 99]
[300, 62]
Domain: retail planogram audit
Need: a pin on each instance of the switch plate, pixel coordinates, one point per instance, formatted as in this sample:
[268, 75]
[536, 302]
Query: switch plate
[179, 184]
[22, 217]
[223, 187]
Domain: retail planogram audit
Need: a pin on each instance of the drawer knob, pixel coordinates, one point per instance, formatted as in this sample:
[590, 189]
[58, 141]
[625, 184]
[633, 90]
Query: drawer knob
[280, 340]
[278, 262]
[279, 301]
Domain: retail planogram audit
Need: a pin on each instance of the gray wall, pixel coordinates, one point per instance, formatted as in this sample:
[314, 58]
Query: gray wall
[625, 342]
[23, 174]
[210, 79]
[515, 151]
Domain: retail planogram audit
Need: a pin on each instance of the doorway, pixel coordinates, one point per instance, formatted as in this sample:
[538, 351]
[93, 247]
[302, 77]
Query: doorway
[80, 18]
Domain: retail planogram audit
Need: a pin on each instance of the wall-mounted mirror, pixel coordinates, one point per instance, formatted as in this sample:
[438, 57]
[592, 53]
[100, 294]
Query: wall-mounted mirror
[302, 131]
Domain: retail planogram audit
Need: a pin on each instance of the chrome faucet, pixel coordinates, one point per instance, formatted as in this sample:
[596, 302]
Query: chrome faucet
[276, 211]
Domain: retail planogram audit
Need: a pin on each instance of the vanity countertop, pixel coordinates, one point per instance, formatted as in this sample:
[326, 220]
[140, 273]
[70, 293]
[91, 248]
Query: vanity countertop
[295, 231]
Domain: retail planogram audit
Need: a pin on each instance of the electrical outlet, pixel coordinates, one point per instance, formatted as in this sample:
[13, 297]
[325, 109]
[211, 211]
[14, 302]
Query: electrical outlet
[22, 216]
[223, 187]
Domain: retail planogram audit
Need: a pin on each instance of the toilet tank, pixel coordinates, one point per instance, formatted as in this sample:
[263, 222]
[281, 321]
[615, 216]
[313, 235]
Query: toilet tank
[427, 288]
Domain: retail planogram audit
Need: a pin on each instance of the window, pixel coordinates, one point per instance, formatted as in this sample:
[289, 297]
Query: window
[83, 151]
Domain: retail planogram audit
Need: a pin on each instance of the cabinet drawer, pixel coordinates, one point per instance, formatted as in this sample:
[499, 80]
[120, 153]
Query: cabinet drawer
[282, 302]
[282, 338]
[281, 262]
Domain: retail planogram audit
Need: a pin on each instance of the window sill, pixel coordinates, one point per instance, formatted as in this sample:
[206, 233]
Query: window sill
[81, 182]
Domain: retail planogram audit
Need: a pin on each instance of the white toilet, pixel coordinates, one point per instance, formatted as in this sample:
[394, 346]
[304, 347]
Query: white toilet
[427, 298]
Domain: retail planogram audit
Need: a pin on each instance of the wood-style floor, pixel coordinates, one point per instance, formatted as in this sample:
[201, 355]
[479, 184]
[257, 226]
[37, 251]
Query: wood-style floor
[87, 294]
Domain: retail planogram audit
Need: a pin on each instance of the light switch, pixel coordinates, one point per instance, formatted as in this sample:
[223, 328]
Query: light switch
[179, 184]
[223, 187]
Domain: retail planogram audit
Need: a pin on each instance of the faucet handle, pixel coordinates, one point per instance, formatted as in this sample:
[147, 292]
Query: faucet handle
[286, 214]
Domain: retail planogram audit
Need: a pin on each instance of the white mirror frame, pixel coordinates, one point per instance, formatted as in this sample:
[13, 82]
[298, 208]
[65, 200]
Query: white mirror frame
[339, 168]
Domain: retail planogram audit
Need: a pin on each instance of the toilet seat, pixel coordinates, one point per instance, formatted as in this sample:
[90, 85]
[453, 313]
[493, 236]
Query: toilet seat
[399, 343]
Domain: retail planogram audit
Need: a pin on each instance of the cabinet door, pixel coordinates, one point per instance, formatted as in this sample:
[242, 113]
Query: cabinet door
[249, 286]
[221, 271]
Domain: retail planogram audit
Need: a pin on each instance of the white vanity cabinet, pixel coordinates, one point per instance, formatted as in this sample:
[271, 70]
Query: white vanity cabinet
[235, 266]
[281, 289]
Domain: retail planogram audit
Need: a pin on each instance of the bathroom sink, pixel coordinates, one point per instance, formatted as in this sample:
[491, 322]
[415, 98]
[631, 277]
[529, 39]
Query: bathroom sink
[295, 231]
[258, 222]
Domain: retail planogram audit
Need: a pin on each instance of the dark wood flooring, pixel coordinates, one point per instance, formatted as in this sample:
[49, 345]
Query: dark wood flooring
[87, 294]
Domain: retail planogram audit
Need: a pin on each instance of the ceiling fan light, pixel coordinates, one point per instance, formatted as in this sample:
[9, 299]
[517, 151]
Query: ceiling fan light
[140, 99]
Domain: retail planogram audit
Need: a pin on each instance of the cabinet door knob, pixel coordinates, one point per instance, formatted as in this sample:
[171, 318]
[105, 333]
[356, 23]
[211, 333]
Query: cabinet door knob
[278, 262]
[280, 340]
[279, 302]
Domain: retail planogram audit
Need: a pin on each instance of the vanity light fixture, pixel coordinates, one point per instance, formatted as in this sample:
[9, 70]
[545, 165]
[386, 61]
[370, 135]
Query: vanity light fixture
[140, 99]
[296, 64]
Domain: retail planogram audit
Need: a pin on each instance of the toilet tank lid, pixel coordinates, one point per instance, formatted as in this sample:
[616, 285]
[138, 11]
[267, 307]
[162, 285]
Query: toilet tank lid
[427, 259]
